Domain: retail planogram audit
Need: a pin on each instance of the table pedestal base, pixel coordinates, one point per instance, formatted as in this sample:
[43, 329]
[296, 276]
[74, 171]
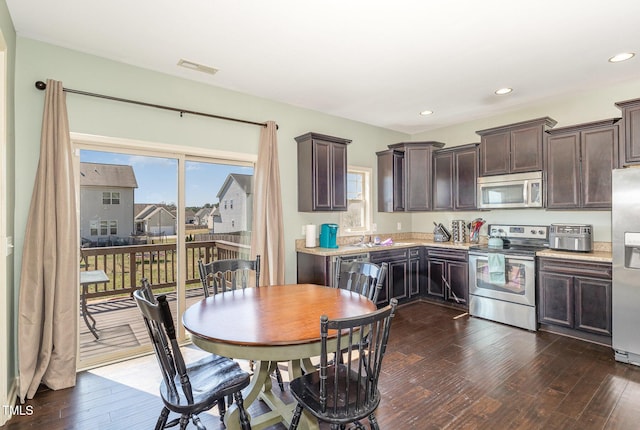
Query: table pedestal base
[260, 388]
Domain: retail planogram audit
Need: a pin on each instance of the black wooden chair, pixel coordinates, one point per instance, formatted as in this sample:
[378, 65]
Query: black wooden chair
[188, 389]
[219, 276]
[228, 275]
[362, 277]
[347, 392]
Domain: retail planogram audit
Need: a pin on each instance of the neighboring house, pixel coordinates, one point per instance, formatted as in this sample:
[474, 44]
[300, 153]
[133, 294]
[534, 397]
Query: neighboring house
[155, 220]
[202, 216]
[189, 216]
[106, 201]
[213, 218]
[235, 204]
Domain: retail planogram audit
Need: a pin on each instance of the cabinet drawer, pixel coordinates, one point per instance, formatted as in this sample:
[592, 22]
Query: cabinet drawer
[573, 267]
[389, 256]
[447, 254]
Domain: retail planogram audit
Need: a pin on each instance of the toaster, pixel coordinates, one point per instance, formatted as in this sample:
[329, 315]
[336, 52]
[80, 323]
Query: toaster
[571, 237]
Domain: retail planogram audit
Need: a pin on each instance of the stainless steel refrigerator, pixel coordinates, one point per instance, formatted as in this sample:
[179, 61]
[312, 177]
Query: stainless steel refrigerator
[625, 224]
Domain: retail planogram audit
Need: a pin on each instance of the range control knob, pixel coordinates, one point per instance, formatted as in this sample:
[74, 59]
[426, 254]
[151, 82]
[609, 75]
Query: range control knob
[541, 231]
[533, 231]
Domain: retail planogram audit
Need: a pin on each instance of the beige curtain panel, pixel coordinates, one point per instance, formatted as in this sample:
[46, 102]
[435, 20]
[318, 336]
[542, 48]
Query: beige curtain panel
[48, 306]
[267, 237]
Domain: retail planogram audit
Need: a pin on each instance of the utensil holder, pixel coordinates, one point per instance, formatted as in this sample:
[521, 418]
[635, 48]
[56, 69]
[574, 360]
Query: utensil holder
[459, 230]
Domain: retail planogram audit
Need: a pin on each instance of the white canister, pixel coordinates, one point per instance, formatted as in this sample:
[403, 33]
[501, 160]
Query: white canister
[310, 236]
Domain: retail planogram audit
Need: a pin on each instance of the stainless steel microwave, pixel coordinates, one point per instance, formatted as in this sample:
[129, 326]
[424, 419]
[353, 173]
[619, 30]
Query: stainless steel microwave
[518, 190]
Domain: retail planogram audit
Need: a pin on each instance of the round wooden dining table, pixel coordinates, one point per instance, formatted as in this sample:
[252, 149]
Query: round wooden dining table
[269, 325]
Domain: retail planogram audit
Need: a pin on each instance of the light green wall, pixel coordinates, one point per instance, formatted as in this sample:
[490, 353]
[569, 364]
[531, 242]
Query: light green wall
[566, 110]
[39, 61]
[9, 296]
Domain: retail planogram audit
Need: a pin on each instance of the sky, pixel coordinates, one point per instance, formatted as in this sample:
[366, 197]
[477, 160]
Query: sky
[157, 177]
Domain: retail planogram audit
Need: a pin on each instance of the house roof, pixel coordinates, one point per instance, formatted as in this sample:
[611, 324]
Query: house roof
[203, 212]
[107, 175]
[244, 181]
[150, 211]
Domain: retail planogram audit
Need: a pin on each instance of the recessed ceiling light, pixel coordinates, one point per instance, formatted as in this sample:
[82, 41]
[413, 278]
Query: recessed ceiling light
[197, 67]
[503, 91]
[621, 57]
[426, 112]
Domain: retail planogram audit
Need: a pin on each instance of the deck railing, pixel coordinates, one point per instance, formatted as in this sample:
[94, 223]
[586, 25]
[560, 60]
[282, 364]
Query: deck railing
[127, 265]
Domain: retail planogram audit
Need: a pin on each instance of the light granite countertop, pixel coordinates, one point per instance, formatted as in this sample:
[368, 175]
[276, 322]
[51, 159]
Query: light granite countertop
[346, 246]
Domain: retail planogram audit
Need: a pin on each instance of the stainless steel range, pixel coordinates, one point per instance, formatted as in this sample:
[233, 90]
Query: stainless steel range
[502, 281]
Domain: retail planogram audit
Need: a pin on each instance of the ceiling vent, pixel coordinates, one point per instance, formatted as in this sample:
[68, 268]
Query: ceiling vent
[198, 67]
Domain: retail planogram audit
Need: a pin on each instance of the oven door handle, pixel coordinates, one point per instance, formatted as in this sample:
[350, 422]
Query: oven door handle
[507, 256]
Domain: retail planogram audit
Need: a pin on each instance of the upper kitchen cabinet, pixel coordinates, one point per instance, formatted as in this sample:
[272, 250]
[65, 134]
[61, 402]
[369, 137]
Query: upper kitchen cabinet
[513, 148]
[322, 173]
[629, 148]
[455, 171]
[404, 176]
[390, 181]
[578, 164]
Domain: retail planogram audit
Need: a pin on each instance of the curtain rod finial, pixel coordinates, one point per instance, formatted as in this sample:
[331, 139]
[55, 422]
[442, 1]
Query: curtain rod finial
[41, 85]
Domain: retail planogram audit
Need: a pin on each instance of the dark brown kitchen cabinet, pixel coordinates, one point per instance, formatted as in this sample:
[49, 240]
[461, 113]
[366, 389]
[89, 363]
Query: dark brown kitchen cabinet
[447, 276]
[513, 148]
[404, 176]
[575, 296]
[314, 269]
[629, 147]
[578, 164]
[390, 181]
[398, 276]
[322, 173]
[455, 171]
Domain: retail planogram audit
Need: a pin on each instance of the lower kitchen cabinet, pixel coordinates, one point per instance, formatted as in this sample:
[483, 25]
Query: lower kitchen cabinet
[447, 276]
[400, 281]
[575, 296]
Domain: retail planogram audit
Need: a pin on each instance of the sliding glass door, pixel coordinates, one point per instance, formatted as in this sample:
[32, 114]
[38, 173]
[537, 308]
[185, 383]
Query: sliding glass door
[150, 215]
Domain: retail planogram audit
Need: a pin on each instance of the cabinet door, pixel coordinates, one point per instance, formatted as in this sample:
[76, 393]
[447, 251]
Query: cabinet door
[443, 182]
[338, 185]
[556, 299]
[630, 148]
[465, 178]
[398, 182]
[398, 279]
[599, 157]
[562, 166]
[436, 272]
[458, 278]
[417, 187]
[322, 175]
[526, 150]
[593, 305]
[414, 276]
[385, 181]
[495, 154]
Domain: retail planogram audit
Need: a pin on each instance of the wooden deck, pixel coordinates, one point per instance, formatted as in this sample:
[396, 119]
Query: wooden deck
[120, 327]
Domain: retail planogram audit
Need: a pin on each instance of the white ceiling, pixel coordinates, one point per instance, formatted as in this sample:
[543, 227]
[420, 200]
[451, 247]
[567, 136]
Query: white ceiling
[378, 62]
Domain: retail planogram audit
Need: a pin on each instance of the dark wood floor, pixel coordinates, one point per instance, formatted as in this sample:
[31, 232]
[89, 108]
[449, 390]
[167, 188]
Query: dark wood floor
[439, 372]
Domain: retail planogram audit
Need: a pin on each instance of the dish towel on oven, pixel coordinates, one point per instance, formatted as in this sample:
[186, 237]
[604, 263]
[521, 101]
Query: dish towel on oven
[496, 268]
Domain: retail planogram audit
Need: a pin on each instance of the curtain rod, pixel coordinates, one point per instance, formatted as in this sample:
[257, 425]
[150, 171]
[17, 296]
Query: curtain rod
[42, 86]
